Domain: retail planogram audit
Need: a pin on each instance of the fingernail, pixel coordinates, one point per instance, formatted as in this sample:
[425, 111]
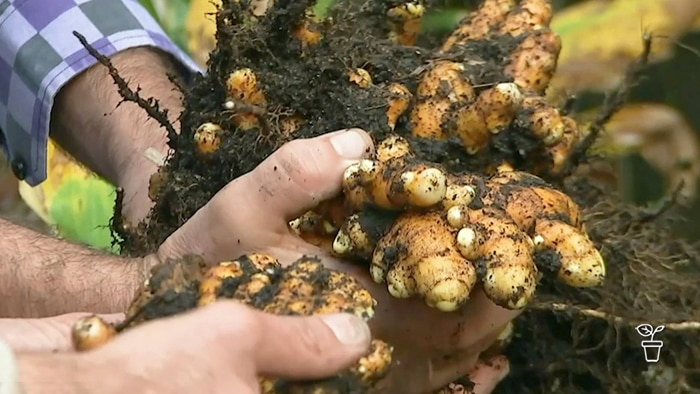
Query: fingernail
[350, 144]
[349, 329]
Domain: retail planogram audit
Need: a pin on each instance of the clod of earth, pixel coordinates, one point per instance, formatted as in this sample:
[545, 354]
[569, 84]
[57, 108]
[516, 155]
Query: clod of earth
[476, 177]
[303, 288]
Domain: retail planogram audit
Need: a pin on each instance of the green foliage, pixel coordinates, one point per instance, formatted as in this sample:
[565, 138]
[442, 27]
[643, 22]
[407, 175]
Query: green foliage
[443, 21]
[82, 210]
[172, 16]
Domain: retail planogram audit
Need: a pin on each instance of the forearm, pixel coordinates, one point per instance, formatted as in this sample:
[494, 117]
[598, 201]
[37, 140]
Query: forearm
[42, 276]
[52, 68]
[113, 145]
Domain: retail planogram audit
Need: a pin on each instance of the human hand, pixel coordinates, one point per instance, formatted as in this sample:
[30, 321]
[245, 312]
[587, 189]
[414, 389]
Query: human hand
[49, 334]
[223, 348]
[251, 214]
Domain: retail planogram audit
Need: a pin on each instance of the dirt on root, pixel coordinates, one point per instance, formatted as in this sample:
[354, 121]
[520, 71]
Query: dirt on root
[569, 340]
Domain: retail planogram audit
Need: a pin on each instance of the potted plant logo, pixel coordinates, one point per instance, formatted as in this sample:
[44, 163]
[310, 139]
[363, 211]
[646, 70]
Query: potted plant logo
[652, 348]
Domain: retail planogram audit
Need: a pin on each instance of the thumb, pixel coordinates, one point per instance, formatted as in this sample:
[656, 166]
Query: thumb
[307, 347]
[301, 174]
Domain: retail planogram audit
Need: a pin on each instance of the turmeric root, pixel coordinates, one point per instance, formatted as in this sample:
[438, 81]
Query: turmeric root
[529, 16]
[399, 100]
[360, 233]
[397, 183]
[536, 207]
[406, 20]
[308, 31]
[490, 113]
[488, 78]
[480, 22]
[510, 273]
[360, 77]
[494, 225]
[445, 84]
[534, 61]
[580, 263]
[419, 256]
[303, 288]
[91, 332]
[207, 139]
[542, 119]
[244, 94]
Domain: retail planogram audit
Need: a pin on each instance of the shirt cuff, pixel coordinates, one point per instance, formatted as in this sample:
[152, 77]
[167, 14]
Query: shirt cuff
[44, 55]
[9, 372]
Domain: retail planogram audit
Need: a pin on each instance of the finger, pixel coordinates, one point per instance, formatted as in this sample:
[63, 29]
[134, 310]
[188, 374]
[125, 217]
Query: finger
[51, 334]
[299, 175]
[309, 347]
[484, 321]
[479, 320]
[486, 375]
[449, 367]
[410, 373]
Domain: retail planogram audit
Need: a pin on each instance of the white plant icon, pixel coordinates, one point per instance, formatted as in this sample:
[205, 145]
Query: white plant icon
[652, 348]
[646, 330]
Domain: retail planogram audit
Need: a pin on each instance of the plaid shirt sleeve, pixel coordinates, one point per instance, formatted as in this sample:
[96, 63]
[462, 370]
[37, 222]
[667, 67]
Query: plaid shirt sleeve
[39, 55]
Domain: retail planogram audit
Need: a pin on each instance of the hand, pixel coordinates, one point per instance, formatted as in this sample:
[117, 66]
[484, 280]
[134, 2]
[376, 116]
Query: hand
[435, 348]
[50, 334]
[251, 214]
[223, 348]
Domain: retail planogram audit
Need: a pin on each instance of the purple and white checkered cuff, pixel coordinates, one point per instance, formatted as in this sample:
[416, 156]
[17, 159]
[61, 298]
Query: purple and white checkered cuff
[39, 54]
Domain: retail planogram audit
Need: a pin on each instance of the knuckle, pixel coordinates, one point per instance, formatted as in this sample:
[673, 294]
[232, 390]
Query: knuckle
[233, 318]
[308, 337]
[298, 162]
[294, 146]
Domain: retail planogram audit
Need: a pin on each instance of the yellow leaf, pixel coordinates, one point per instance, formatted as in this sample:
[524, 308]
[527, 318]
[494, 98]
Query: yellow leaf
[201, 29]
[60, 168]
[600, 38]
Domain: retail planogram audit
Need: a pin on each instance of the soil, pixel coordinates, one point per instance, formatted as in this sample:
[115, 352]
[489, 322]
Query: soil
[315, 86]
[652, 275]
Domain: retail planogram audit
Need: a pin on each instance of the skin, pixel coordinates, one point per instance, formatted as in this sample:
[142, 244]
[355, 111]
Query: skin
[324, 345]
[292, 180]
[118, 136]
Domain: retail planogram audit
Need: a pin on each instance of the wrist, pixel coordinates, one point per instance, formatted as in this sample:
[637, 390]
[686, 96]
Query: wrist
[147, 264]
[134, 179]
